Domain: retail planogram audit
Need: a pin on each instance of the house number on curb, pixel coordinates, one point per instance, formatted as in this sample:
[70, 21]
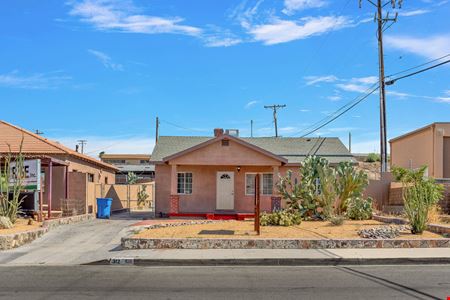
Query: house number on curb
[121, 261]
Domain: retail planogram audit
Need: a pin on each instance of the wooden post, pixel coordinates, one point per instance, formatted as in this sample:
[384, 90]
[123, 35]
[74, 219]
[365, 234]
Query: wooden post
[50, 187]
[257, 205]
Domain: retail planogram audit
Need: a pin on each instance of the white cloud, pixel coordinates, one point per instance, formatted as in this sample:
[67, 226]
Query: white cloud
[334, 98]
[37, 81]
[443, 99]
[115, 144]
[357, 84]
[352, 87]
[124, 17]
[366, 80]
[218, 37]
[304, 110]
[251, 103]
[411, 13]
[429, 47]
[106, 60]
[312, 80]
[282, 31]
[245, 15]
[292, 6]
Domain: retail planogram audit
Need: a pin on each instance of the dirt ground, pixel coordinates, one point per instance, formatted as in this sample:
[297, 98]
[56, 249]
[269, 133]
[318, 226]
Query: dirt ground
[20, 226]
[244, 229]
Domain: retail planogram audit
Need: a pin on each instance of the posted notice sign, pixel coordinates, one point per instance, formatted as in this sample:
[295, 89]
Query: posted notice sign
[32, 174]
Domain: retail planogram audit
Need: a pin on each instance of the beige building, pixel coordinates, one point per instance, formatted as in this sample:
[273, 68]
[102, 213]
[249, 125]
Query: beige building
[138, 164]
[428, 146]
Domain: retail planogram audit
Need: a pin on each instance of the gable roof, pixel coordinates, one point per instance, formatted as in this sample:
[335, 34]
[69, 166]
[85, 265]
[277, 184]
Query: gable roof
[294, 150]
[11, 135]
[228, 137]
[432, 125]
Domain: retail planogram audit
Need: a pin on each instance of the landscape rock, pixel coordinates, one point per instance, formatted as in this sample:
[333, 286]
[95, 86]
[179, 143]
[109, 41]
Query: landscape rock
[383, 232]
[5, 223]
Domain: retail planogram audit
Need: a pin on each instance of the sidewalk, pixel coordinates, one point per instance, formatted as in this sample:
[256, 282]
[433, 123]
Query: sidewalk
[280, 257]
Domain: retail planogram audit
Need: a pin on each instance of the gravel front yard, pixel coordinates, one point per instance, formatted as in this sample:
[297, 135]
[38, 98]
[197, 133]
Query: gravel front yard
[21, 225]
[244, 229]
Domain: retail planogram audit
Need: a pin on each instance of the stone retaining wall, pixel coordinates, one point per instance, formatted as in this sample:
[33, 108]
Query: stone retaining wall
[14, 240]
[136, 243]
[69, 220]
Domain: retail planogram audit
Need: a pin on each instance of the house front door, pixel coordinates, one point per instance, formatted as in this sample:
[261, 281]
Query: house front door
[225, 190]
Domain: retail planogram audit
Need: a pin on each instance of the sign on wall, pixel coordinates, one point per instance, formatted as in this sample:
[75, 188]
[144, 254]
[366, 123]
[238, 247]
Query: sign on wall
[32, 172]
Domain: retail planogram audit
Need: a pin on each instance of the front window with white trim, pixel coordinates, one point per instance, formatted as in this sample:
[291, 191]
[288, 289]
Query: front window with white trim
[184, 183]
[266, 184]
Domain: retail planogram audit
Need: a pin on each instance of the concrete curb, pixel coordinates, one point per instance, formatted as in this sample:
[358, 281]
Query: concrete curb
[273, 261]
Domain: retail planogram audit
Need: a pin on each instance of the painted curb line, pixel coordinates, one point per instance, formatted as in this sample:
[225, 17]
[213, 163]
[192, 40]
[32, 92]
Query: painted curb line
[272, 261]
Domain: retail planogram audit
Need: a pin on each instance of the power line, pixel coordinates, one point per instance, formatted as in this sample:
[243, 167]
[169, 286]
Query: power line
[335, 112]
[181, 127]
[418, 66]
[392, 81]
[341, 113]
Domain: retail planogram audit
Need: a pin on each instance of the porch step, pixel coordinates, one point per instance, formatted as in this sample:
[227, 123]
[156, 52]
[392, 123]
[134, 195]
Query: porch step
[215, 216]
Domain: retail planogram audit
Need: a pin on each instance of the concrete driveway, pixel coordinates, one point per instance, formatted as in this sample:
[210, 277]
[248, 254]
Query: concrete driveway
[76, 243]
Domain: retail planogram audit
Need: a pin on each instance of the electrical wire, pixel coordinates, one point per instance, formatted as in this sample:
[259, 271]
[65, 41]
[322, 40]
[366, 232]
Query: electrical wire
[335, 112]
[343, 112]
[392, 81]
[418, 66]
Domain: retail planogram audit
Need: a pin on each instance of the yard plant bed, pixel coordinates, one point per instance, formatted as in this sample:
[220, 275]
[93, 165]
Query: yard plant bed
[21, 225]
[244, 230]
[308, 235]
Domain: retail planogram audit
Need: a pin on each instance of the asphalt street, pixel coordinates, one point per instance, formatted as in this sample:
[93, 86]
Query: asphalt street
[132, 282]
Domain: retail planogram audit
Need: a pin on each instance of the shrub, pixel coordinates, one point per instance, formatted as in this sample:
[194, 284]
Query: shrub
[337, 220]
[373, 157]
[359, 208]
[280, 218]
[420, 195]
[350, 184]
[322, 190]
[419, 198]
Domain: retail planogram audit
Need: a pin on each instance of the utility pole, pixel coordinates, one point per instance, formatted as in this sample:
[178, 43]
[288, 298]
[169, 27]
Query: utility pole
[350, 142]
[82, 143]
[251, 128]
[38, 132]
[274, 108]
[381, 22]
[157, 130]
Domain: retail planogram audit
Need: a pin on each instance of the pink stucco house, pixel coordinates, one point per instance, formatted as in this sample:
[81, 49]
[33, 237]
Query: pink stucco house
[214, 176]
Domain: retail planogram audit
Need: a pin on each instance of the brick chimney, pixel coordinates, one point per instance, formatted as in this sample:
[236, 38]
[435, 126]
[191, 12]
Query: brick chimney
[218, 132]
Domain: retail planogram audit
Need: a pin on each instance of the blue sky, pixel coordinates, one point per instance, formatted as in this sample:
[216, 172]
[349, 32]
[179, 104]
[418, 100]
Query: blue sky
[102, 70]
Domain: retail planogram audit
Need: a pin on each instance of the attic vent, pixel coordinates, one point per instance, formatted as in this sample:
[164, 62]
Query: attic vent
[225, 142]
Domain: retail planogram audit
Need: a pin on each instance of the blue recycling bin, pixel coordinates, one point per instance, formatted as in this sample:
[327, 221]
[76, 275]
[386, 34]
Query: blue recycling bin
[104, 208]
